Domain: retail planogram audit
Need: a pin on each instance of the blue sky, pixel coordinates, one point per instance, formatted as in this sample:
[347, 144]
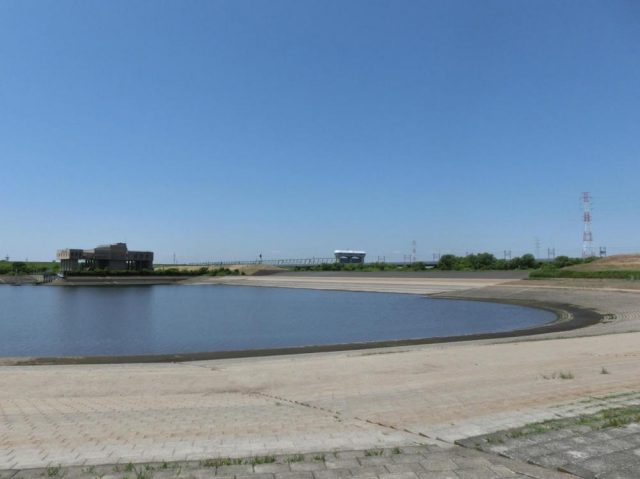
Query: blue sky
[225, 129]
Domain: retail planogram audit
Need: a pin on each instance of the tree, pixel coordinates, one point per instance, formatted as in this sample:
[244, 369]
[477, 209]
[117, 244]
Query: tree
[528, 261]
[447, 262]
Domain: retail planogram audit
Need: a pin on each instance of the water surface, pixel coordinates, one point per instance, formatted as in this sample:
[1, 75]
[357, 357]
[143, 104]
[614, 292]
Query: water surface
[163, 319]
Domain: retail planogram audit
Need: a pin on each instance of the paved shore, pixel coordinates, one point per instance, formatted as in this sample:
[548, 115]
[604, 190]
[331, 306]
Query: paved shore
[352, 400]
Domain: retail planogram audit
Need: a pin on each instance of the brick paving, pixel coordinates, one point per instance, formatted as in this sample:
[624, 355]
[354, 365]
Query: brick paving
[603, 453]
[417, 462]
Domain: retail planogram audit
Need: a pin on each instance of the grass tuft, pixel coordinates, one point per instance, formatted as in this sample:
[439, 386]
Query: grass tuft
[373, 452]
[295, 458]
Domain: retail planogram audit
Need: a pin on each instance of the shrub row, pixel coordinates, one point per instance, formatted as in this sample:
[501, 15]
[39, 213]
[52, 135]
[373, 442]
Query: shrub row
[160, 272]
[22, 267]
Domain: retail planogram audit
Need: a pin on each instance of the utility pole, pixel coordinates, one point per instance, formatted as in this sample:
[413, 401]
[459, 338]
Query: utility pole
[587, 236]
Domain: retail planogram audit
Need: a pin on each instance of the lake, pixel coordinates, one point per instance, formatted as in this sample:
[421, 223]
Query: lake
[133, 320]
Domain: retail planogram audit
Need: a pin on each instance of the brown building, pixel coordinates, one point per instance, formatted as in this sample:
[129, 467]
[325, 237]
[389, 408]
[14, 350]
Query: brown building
[114, 257]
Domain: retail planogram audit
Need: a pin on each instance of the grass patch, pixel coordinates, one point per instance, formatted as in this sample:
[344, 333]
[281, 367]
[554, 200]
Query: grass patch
[616, 417]
[560, 375]
[373, 452]
[295, 458]
[220, 461]
[261, 460]
[230, 461]
[544, 273]
[54, 471]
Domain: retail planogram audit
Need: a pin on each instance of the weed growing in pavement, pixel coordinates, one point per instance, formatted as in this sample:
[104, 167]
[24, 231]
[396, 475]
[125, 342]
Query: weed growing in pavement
[559, 375]
[261, 460]
[296, 458]
[608, 418]
[395, 450]
[495, 440]
[145, 472]
[54, 471]
[220, 461]
[373, 452]
[319, 457]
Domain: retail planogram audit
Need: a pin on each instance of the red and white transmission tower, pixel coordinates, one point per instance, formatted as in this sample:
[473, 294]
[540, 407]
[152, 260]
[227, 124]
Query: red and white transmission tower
[587, 237]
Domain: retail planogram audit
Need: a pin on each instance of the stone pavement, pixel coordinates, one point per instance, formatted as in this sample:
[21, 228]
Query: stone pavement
[591, 447]
[418, 462]
[352, 400]
[408, 285]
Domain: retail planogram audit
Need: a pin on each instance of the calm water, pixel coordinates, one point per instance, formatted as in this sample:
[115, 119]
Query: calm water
[60, 321]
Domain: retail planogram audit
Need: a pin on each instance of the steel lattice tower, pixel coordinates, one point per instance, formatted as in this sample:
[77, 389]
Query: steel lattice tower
[587, 236]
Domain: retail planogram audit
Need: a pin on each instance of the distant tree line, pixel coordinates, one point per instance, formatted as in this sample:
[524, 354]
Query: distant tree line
[23, 267]
[159, 272]
[417, 266]
[450, 262]
[487, 261]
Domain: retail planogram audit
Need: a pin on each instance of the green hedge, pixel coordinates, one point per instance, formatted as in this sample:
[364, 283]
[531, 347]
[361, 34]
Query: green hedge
[161, 272]
[31, 267]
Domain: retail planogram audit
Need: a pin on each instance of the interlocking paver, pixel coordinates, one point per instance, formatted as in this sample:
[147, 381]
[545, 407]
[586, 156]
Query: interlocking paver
[333, 473]
[398, 475]
[577, 449]
[405, 467]
[294, 475]
[462, 464]
[341, 463]
[368, 470]
[255, 476]
[439, 463]
[373, 460]
[264, 468]
[308, 466]
[234, 470]
[439, 475]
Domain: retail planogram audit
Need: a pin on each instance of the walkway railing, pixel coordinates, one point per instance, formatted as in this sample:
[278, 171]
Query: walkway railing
[274, 262]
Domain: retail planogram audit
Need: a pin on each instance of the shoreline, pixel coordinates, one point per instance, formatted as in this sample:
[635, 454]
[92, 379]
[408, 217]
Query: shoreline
[568, 318]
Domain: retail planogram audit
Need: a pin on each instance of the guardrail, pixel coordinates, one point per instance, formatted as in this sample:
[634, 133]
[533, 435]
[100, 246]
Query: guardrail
[274, 262]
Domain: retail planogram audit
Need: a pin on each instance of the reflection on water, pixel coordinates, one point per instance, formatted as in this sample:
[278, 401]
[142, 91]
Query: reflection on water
[63, 321]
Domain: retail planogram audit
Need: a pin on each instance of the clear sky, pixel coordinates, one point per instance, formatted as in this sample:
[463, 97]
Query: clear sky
[225, 129]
